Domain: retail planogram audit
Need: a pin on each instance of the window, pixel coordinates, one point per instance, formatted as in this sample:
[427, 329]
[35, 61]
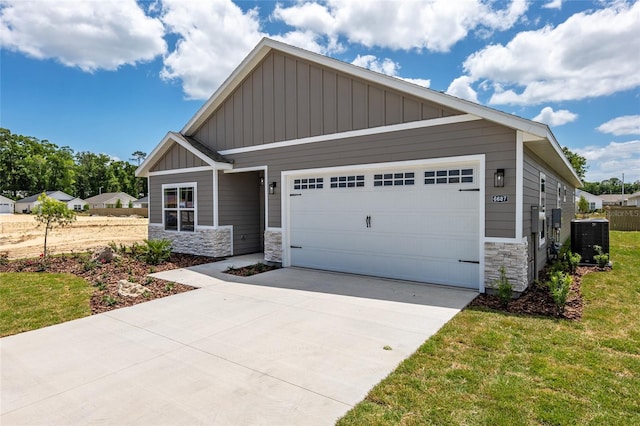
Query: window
[394, 179]
[448, 176]
[347, 181]
[77, 207]
[559, 195]
[308, 183]
[178, 207]
[542, 205]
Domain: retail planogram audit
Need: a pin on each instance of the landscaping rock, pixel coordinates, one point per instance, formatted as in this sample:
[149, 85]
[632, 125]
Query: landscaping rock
[129, 289]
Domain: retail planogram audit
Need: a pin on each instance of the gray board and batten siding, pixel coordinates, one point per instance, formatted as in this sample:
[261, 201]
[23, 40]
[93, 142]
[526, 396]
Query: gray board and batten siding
[468, 138]
[286, 98]
[177, 157]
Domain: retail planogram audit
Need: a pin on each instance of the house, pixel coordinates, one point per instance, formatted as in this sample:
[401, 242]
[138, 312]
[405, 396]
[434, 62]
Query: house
[323, 164]
[26, 205]
[595, 202]
[142, 203]
[110, 200]
[634, 199]
[614, 199]
[7, 205]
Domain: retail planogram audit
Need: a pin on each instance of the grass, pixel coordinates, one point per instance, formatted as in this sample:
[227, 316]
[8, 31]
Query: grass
[31, 300]
[487, 367]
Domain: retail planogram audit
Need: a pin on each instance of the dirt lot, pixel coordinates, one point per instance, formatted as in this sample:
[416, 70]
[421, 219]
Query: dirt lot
[20, 235]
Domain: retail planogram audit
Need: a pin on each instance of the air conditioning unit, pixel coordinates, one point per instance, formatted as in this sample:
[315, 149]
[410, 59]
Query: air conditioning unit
[587, 233]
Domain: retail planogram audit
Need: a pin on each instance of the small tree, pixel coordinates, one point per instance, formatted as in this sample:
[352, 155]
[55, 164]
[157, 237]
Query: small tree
[130, 204]
[118, 204]
[52, 213]
[583, 205]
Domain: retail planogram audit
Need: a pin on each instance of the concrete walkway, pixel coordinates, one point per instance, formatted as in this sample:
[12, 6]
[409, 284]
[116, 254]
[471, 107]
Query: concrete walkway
[290, 346]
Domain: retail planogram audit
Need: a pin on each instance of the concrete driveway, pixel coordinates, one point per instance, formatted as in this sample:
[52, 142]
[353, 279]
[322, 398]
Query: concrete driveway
[290, 346]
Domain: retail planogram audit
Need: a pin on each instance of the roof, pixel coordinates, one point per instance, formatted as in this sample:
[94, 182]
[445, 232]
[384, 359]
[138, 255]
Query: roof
[57, 195]
[613, 198]
[635, 195]
[537, 136]
[107, 196]
[143, 200]
[4, 199]
[580, 192]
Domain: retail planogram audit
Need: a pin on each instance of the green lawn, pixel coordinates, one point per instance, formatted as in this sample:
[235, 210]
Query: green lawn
[490, 368]
[31, 300]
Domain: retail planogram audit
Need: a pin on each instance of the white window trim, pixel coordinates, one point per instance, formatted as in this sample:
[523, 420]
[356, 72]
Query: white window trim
[179, 185]
[542, 201]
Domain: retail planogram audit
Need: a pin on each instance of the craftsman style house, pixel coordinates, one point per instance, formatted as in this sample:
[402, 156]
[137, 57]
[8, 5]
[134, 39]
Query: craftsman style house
[326, 165]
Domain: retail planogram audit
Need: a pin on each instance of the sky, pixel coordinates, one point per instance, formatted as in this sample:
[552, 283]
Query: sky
[115, 76]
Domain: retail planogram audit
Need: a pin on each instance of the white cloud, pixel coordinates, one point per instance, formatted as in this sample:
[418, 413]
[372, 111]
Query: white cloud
[586, 56]
[461, 88]
[553, 4]
[214, 37]
[612, 160]
[90, 35]
[625, 125]
[388, 67]
[555, 118]
[434, 24]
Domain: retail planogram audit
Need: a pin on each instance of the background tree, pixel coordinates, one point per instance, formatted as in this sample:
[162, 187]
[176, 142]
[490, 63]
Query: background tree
[138, 157]
[583, 205]
[52, 213]
[578, 162]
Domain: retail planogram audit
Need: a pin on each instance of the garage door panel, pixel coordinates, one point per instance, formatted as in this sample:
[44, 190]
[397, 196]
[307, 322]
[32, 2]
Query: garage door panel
[416, 232]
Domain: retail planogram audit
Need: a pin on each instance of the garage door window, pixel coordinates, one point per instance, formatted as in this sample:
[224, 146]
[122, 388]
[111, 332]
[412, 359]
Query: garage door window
[432, 177]
[308, 183]
[394, 179]
[347, 181]
[179, 208]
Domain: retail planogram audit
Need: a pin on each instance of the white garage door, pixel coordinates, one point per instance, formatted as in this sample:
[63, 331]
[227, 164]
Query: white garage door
[415, 223]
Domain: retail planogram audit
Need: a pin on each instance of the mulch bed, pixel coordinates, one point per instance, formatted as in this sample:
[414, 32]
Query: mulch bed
[104, 277]
[247, 271]
[536, 299]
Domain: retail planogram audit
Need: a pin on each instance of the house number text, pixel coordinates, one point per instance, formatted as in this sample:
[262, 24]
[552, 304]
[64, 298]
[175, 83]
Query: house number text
[499, 199]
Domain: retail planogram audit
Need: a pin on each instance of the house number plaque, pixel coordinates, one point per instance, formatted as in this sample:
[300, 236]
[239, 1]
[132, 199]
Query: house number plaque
[499, 199]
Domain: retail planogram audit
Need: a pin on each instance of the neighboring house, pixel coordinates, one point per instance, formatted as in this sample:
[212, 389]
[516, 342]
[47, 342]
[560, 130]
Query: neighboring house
[27, 204]
[142, 203]
[595, 202]
[614, 199]
[109, 200]
[323, 164]
[6, 205]
[634, 199]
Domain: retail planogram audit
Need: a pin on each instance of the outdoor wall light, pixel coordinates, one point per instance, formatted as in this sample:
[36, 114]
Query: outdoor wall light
[498, 178]
[272, 188]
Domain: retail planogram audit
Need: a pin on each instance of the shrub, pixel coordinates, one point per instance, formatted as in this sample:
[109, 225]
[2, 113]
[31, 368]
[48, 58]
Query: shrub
[559, 285]
[118, 203]
[504, 287]
[109, 300]
[573, 260]
[156, 251]
[602, 259]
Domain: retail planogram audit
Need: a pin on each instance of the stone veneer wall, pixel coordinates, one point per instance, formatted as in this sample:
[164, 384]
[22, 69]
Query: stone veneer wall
[215, 242]
[514, 258]
[273, 246]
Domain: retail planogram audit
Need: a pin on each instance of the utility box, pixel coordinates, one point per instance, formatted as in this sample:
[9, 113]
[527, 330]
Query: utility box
[587, 233]
[556, 218]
